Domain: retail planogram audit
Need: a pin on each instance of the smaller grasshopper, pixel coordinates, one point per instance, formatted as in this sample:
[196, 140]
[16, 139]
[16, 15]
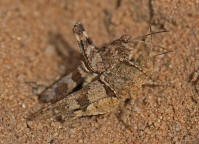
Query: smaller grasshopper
[194, 79]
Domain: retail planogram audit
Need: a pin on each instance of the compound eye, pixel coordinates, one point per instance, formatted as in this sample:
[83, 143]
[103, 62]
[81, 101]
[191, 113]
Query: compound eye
[125, 38]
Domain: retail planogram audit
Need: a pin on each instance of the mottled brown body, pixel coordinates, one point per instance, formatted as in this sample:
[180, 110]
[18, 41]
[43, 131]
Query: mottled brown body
[84, 102]
[114, 74]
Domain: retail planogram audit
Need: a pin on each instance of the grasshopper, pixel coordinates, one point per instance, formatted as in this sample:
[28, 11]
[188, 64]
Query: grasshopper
[109, 76]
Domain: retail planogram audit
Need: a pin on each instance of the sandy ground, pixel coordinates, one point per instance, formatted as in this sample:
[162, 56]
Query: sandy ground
[31, 31]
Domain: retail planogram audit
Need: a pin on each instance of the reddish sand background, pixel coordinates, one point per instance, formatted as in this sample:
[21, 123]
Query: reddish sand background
[30, 31]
